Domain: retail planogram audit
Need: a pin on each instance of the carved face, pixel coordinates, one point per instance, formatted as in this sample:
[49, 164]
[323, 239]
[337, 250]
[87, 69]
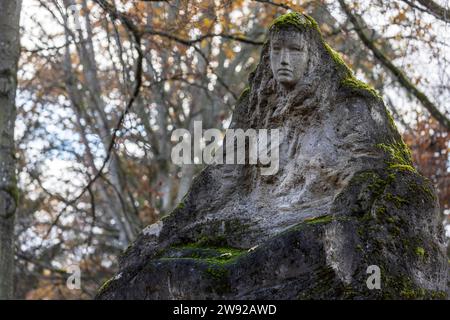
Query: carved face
[288, 57]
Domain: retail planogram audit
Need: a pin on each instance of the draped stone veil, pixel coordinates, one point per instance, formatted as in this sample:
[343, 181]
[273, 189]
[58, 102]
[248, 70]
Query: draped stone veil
[316, 160]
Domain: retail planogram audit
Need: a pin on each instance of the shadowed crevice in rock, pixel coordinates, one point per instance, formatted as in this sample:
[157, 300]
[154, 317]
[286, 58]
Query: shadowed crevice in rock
[345, 197]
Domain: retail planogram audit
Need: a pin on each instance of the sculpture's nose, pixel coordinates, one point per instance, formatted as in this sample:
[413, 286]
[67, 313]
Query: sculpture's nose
[284, 59]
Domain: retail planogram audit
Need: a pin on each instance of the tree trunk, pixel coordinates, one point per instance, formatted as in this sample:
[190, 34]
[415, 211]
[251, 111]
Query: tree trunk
[9, 55]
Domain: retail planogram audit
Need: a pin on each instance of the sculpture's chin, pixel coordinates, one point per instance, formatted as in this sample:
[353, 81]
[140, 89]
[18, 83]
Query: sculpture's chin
[287, 83]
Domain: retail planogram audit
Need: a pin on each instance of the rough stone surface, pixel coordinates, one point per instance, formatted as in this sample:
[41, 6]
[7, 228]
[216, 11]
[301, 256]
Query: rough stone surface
[346, 196]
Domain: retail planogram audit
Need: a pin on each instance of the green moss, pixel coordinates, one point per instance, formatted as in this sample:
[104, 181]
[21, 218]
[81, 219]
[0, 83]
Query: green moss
[391, 119]
[359, 86]
[397, 200]
[244, 93]
[339, 62]
[378, 185]
[218, 256]
[322, 219]
[390, 232]
[365, 176]
[380, 208]
[437, 294]
[313, 221]
[390, 220]
[181, 205]
[420, 252]
[294, 19]
[105, 285]
[404, 287]
[381, 212]
[220, 276]
[374, 186]
[349, 81]
[427, 191]
[413, 294]
[396, 286]
[217, 272]
[215, 260]
[403, 167]
[398, 153]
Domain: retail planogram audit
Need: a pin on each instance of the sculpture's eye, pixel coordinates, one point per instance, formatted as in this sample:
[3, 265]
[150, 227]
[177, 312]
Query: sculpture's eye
[276, 48]
[295, 48]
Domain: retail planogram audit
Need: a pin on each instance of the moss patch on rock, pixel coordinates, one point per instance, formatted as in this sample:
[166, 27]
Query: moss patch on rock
[359, 86]
[244, 93]
[294, 19]
[105, 285]
[398, 153]
[321, 219]
[213, 262]
[420, 252]
[214, 255]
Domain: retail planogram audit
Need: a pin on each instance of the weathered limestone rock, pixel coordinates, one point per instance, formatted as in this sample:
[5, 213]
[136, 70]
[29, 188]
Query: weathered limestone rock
[346, 197]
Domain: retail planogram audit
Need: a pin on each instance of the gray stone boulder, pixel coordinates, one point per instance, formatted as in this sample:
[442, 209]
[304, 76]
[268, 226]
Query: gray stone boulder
[346, 197]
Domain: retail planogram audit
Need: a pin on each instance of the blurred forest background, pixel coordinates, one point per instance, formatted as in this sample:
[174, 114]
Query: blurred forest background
[103, 83]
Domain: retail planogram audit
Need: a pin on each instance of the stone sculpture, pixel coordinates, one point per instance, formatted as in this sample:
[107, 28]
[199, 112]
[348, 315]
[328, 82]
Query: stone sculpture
[346, 198]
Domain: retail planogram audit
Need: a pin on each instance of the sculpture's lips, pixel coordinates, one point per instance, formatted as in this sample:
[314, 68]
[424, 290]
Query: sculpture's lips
[284, 71]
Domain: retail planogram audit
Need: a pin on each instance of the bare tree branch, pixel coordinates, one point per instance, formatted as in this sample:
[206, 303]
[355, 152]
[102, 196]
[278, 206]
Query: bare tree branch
[432, 8]
[189, 42]
[138, 77]
[281, 5]
[401, 77]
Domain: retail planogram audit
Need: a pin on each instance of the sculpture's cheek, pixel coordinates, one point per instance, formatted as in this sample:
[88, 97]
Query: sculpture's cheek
[299, 62]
